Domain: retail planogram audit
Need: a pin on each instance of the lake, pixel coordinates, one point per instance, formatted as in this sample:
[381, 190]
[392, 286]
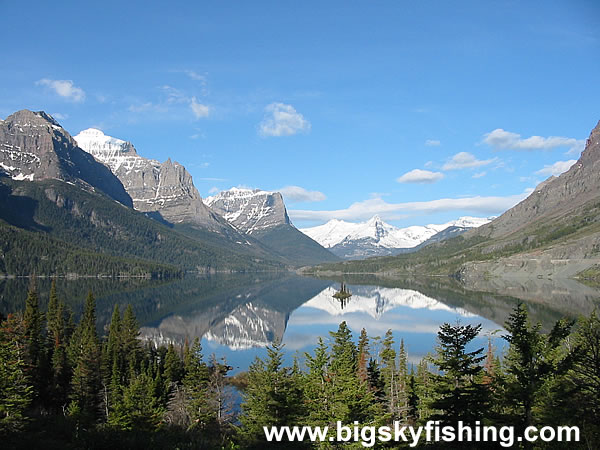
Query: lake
[237, 316]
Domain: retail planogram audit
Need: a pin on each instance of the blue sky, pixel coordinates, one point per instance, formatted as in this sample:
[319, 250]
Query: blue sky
[418, 111]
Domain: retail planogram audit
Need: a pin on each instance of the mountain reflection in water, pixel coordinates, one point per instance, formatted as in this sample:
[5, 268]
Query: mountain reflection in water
[237, 316]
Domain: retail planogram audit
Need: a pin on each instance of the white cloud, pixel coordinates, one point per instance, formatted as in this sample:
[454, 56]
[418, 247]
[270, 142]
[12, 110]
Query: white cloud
[196, 76]
[479, 174]
[502, 139]
[214, 190]
[557, 168]
[174, 95]
[432, 143]
[299, 194]
[64, 88]
[199, 110]
[420, 176]
[59, 116]
[282, 120]
[390, 211]
[466, 160]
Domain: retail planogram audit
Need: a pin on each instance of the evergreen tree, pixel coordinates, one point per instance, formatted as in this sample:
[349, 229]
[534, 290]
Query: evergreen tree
[15, 388]
[351, 398]
[60, 370]
[196, 387]
[533, 359]
[402, 381]
[425, 389]
[219, 395]
[137, 408]
[413, 400]
[584, 403]
[461, 394]
[317, 387]
[174, 369]
[375, 381]
[130, 343]
[273, 397]
[33, 320]
[86, 380]
[363, 355]
[389, 374]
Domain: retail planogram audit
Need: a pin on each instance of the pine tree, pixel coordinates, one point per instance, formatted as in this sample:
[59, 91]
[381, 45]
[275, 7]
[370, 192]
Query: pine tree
[196, 387]
[363, 355]
[402, 382]
[533, 359]
[219, 395]
[86, 380]
[174, 368]
[317, 387]
[351, 399]
[389, 374]
[137, 408]
[33, 320]
[375, 381]
[425, 389]
[60, 370]
[16, 390]
[113, 367]
[273, 397]
[130, 343]
[413, 400]
[461, 394]
[584, 403]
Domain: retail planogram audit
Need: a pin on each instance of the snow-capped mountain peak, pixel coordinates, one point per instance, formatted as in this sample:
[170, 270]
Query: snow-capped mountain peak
[376, 237]
[153, 186]
[250, 210]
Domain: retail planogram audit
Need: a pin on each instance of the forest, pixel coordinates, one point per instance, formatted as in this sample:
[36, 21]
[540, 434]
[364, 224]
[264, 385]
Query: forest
[66, 385]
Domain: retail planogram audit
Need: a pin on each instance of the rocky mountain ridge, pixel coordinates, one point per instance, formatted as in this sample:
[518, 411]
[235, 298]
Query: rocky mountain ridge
[165, 188]
[263, 216]
[33, 146]
[250, 210]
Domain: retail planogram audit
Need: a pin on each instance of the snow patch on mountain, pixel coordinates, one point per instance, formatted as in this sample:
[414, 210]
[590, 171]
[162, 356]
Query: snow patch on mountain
[381, 234]
[250, 210]
[165, 187]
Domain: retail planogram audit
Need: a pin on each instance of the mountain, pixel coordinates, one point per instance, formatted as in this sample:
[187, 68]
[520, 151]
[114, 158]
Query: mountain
[250, 211]
[350, 240]
[33, 146]
[58, 212]
[554, 232]
[163, 188]
[263, 216]
[166, 192]
[54, 227]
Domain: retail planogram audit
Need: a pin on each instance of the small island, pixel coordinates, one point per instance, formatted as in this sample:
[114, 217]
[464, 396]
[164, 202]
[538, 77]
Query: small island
[343, 293]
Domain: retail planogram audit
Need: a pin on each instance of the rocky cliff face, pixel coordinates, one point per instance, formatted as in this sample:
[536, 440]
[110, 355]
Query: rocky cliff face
[33, 146]
[250, 211]
[165, 188]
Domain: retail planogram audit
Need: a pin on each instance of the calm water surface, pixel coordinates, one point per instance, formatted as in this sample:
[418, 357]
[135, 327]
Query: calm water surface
[237, 316]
